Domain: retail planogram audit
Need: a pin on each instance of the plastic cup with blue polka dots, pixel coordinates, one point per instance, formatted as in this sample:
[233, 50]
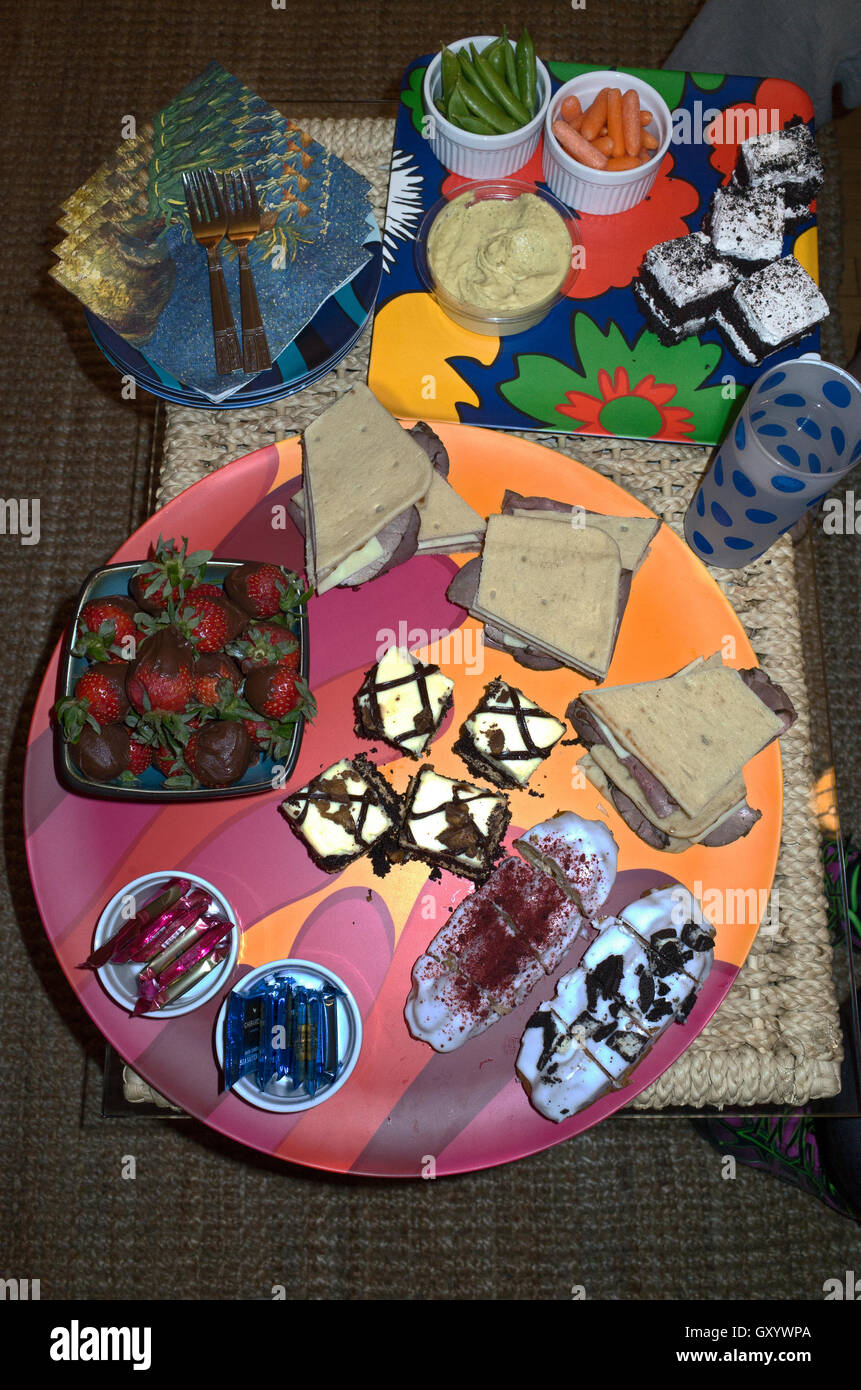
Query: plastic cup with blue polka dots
[798, 434]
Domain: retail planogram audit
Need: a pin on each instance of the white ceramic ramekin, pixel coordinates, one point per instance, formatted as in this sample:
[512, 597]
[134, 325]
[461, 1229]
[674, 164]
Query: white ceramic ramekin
[120, 981]
[481, 156]
[597, 190]
[280, 1096]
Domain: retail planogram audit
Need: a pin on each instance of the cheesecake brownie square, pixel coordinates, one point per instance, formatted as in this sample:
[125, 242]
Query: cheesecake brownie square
[774, 308]
[343, 812]
[507, 736]
[453, 825]
[403, 702]
[746, 225]
[681, 284]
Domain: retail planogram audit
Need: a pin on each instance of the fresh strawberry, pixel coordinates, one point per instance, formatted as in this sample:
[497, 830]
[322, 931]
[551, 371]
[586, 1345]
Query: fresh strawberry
[162, 678]
[273, 739]
[209, 622]
[107, 629]
[266, 644]
[140, 757]
[168, 762]
[264, 589]
[167, 735]
[99, 699]
[215, 676]
[277, 693]
[167, 576]
[206, 591]
[104, 686]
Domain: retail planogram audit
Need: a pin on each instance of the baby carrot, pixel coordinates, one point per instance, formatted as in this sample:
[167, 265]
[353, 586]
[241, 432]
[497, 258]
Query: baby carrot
[603, 143]
[645, 116]
[572, 111]
[648, 141]
[614, 119]
[573, 142]
[631, 122]
[595, 116]
[625, 161]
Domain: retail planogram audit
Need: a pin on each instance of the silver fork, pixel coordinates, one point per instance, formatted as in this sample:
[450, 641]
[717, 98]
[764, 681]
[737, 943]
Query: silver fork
[239, 197]
[208, 226]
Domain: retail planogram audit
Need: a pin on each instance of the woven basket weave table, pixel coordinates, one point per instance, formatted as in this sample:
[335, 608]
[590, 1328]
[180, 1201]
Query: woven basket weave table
[776, 1037]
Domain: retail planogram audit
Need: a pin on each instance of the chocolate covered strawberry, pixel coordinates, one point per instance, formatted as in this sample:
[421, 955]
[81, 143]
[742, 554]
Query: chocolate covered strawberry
[107, 629]
[278, 693]
[263, 589]
[266, 644]
[219, 753]
[162, 677]
[103, 754]
[167, 576]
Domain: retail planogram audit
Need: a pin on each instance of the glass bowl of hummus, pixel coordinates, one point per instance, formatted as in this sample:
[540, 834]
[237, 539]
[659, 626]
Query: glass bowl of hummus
[498, 256]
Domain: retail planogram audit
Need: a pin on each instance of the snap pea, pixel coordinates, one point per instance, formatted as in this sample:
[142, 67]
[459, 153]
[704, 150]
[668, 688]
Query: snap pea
[477, 78]
[495, 56]
[459, 114]
[502, 93]
[467, 72]
[476, 126]
[510, 69]
[457, 107]
[527, 74]
[450, 72]
[486, 110]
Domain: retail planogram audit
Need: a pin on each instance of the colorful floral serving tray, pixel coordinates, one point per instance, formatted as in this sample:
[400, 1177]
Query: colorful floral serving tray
[591, 367]
[403, 1104]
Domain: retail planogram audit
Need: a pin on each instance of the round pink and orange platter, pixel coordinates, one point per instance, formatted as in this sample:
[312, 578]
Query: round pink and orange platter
[403, 1104]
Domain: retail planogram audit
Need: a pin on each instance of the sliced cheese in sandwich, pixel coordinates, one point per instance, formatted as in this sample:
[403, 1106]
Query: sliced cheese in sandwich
[554, 587]
[693, 731]
[678, 823]
[447, 522]
[361, 470]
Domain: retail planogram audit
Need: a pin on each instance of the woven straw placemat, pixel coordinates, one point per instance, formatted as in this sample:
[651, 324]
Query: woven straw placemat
[776, 1037]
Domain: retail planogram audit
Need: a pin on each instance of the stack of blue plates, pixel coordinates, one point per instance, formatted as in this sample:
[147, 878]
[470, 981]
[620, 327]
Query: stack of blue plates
[316, 350]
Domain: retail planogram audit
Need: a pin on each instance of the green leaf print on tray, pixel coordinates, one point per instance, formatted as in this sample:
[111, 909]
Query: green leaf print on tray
[637, 391]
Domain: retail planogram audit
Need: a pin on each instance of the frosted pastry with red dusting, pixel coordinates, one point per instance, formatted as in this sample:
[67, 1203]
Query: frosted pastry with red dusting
[580, 855]
[539, 911]
[502, 940]
[444, 1008]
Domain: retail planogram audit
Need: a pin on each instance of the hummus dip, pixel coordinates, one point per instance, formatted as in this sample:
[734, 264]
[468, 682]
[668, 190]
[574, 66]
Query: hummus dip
[501, 254]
